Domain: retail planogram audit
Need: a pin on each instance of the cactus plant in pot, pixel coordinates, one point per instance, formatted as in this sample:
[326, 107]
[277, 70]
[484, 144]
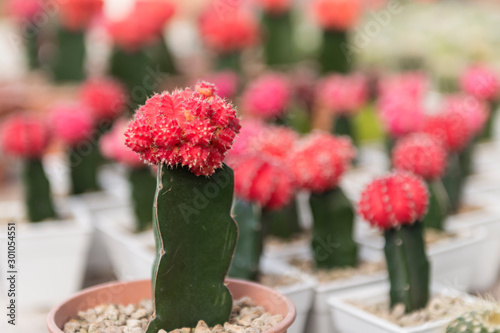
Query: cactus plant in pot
[49, 231]
[187, 133]
[396, 203]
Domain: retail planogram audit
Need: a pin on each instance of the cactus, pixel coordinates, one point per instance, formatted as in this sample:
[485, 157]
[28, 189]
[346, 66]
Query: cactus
[396, 203]
[278, 45]
[318, 162]
[333, 56]
[143, 186]
[283, 223]
[476, 321]
[27, 138]
[187, 134]
[250, 242]
[68, 64]
[106, 98]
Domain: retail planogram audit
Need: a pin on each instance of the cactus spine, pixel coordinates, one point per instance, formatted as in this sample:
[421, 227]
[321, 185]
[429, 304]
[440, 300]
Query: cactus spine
[193, 225]
[332, 243]
[408, 266]
[485, 321]
[143, 186]
[249, 249]
[38, 199]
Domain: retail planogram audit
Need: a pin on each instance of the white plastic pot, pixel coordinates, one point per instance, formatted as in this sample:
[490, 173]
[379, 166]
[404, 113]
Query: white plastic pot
[51, 255]
[452, 261]
[350, 319]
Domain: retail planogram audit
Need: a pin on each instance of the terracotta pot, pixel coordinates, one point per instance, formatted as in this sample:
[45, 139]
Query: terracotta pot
[135, 291]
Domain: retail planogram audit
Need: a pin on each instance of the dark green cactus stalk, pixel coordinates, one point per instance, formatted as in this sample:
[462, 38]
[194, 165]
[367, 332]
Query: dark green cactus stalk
[439, 206]
[31, 35]
[332, 243]
[344, 125]
[466, 158]
[485, 321]
[250, 243]
[83, 169]
[68, 62]
[278, 46]
[454, 181]
[408, 266]
[37, 194]
[282, 223]
[197, 239]
[334, 56]
[162, 57]
[489, 130]
[230, 61]
[143, 186]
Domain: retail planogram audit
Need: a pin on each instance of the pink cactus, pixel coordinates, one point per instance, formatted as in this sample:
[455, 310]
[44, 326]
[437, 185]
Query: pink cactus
[155, 13]
[24, 136]
[243, 145]
[275, 142]
[400, 114]
[267, 97]
[481, 82]
[260, 180]
[451, 128]
[188, 128]
[411, 84]
[274, 7]
[226, 83]
[72, 123]
[106, 97]
[78, 14]
[420, 154]
[337, 14]
[320, 160]
[343, 94]
[400, 198]
[227, 32]
[474, 110]
[113, 147]
[24, 9]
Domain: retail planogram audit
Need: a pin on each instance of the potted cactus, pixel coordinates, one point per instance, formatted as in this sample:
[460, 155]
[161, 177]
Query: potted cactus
[187, 133]
[336, 18]
[481, 318]
[396, 204]
[49, 233]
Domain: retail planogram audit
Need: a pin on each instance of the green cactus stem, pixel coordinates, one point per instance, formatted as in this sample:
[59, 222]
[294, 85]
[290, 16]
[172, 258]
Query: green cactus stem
[229, 61]
[335, 54]
[31, 36]
[408, 266]
[489, 130]
[135, 71]
[453, 182]
[68, 61]
[143, 186]
[439, 206]
[83, 168]
[485, 321]
[283, 223]
[250, 243]
[161, 55]
[37, 196]
[278, 46]
[466, 158]
[344, 125]
[197, 239]
[333, 227]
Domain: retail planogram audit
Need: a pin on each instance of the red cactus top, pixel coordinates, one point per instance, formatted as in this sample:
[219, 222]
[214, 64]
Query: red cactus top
[24, 136]
[112, 145]
[400, 198]
[451, 128]
[343, 94]
[275, 142]
[337, 14]
[24, 9]
[106, 97]
[226, 82]
[78, 14]
[193, 128]
[481, 82]
[319, 161]
[267, 97]
[72, 123]
[474, 110]
[227, 31]
[275, 7]
[421, 154]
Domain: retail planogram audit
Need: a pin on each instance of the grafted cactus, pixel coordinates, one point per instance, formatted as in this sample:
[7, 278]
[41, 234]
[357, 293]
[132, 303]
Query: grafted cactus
[318, 163]
[396, 204]
[27, 138]
[187, 134]
[476, 321]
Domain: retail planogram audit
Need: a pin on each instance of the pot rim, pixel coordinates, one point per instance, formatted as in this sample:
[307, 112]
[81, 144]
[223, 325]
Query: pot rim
[281, 327]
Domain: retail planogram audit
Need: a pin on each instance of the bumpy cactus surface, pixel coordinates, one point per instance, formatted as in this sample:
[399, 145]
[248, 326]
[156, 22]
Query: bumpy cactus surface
[318, 163]
[485, 321]
[187, 134]
[396, 204]
[424, 156]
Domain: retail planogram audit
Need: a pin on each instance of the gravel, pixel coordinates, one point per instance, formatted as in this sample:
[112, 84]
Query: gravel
[246, 317]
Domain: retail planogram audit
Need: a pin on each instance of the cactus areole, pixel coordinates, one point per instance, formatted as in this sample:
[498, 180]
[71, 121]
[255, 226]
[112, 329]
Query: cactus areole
[187, 134]
[396, 204]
